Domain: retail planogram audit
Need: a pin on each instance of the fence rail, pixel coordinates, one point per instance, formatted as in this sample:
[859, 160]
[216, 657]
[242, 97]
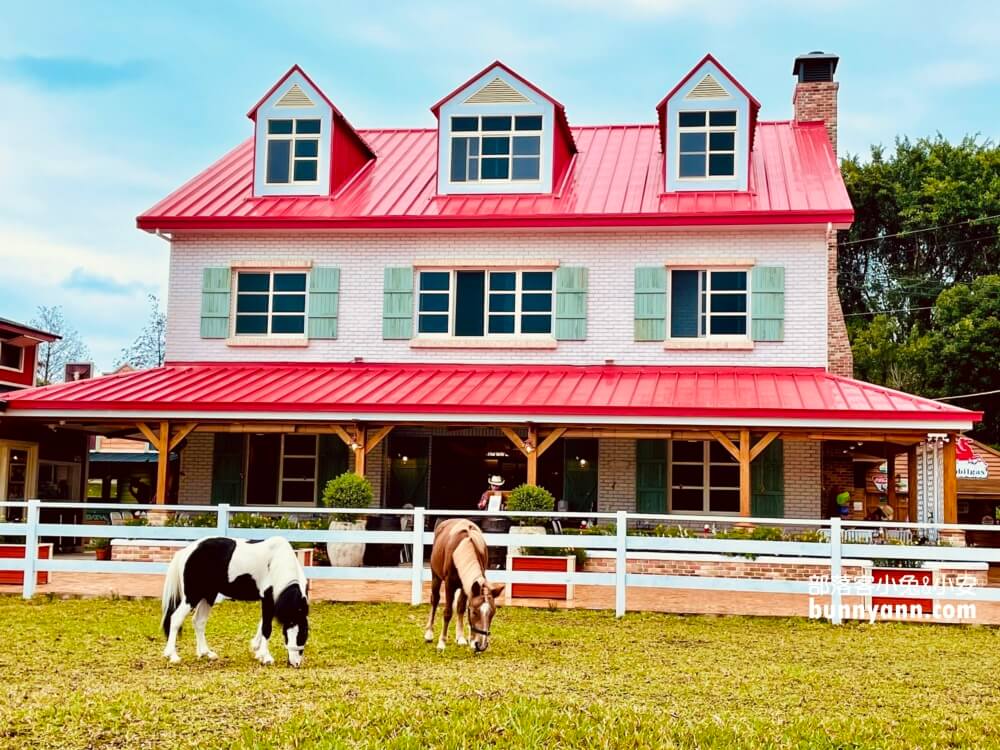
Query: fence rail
[835, 547]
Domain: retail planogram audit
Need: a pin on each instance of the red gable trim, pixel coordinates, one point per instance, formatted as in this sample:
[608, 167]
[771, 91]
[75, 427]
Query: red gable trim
[27, 331]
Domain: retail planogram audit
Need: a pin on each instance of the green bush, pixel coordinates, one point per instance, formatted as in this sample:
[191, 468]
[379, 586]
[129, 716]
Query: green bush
[192, 520]
[348, 491]
[578, 552]
[528, 497]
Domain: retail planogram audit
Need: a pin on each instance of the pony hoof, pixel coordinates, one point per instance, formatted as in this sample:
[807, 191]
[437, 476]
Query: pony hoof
[460, 641]
[174, 659]
[265, 659]
[210, 655]
[440, 645]
[428, 636]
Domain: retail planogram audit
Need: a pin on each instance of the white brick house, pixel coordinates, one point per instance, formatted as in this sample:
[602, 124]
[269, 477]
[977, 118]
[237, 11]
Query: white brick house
[636, 317]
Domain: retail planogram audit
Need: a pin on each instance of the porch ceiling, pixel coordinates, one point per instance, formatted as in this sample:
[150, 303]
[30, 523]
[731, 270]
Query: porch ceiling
[457, 393]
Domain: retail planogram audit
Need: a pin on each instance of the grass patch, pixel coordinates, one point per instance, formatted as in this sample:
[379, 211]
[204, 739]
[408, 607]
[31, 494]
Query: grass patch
[88, 673]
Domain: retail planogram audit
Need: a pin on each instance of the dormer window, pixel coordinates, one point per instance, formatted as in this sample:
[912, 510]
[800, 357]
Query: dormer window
[293, 151]
[706, 144]
[499, 147]
[11, 356]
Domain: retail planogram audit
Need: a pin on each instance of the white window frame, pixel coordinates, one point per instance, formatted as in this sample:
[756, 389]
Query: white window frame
[708, 129]
[509, 134]
[518, 293]
[20, 367]
[293, 137]
[281, 472]
[705, 313]
[271, 294]
[706, 487]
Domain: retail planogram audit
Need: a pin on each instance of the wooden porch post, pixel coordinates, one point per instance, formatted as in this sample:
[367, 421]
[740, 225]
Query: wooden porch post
[950, 480]
[531, 453]
[911, 484]
[360, 436]
[162, 463]
[745, 473]
[890, 473]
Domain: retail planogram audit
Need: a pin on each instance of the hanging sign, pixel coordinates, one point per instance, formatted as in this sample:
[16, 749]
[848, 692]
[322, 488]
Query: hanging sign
[968, 463]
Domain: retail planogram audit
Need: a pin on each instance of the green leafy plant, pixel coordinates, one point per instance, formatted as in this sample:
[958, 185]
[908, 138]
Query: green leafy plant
[527, 498]
[578, 552]
[137, 521]
[348, 491]
[101, 542]
[192, 520]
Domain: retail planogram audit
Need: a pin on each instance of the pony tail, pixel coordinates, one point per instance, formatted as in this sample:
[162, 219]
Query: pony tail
[172, 590]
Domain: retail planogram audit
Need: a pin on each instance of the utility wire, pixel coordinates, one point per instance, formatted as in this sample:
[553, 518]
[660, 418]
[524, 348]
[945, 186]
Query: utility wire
[886, 312]
[919, 231]
[966, 395]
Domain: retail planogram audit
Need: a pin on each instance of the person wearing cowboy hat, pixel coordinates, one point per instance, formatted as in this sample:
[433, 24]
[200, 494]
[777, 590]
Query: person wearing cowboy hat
[495, 482]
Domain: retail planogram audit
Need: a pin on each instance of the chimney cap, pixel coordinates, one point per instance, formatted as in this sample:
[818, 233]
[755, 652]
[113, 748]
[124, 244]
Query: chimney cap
[808, 65]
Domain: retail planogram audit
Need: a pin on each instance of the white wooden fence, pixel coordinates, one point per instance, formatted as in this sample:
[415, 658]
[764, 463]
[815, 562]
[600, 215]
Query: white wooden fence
[833, 551]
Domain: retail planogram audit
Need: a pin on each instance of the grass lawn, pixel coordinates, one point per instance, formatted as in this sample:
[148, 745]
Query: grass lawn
[88, 673]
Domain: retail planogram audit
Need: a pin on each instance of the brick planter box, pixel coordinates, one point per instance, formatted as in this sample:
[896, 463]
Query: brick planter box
[541, 564]
[16, 552]
[722, 566]
[162, 550]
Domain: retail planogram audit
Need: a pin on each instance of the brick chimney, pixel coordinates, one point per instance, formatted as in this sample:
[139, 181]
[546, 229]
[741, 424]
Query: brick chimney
[815, 96]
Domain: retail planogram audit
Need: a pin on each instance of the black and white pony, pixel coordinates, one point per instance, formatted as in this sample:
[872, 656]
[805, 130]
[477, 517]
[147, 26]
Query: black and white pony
[267, 572]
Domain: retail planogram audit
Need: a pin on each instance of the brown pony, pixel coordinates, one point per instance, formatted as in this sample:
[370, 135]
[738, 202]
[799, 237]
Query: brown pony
[459, 560]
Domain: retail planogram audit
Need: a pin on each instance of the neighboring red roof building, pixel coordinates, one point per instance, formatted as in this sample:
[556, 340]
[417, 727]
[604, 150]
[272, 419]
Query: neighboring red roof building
[18, 353]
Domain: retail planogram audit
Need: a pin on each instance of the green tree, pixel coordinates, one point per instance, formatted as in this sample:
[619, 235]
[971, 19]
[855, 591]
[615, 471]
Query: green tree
[150, 346]
[50, 367]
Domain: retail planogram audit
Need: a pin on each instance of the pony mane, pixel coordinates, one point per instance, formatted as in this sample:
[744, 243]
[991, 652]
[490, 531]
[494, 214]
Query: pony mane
[465, 558]
[290, 604]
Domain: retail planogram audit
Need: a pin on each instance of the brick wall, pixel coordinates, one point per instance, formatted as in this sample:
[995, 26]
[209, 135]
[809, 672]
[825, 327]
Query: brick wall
[615, 475]
[196, 470]
[610, 258]
[803, 479]
[840, 358]
[817, 100]
[735, 568]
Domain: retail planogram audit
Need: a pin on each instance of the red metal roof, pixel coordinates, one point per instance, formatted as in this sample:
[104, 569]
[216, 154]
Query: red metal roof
[711, 395]
[616, 179]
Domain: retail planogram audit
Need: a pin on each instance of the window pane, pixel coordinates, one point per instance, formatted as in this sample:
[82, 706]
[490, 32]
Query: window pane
[496, 123]
[279, 127]
[470, 313]
[473, 170]
[253, 282]
[251, 324]
[10, 356]
[501, 324]
[688, 475]
[721, 164]
[434, 280]
[536, 281]
[729, 303]
[465, 124]
[495, 146]
[692, 142]
[692, 165]
[721, 141]
[305, 170]
[729, 326]
[277, 160]
[299, 468]
[527, 145]
[433, 324]
[688, 450]
[536, 324]
[458, 159]
[300, 445]
[288, 324]
[503, 281]
[536, 303]
[289, 282]
[502, 303]
[717, 453]
[723, 119]
[683, 305]
[434, 303]
[473, 146]
[526, 168]
[691, 119]
[307, 147]
[724, 501]
[495, 169]
[724, 476]
[528, 122]
[297, 492]
[286, 303]
[307, 126]
[681, 500]
[724, 281]
[251, 303]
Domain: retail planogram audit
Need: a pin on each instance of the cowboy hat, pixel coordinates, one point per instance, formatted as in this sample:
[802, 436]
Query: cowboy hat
[496, 480]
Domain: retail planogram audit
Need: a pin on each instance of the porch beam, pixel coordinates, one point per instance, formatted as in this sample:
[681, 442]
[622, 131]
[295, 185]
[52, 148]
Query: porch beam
[950, 479]
[911, 484]
[744, 459]
[515, 439]
[182, 433]
[343, 435]
[557, 433]
[358, 446]
[728, 444]
[762, 444]
[531, 451]
[162, 463]
[853, 437]
[151, 436]
[621, 434]
[377, 438]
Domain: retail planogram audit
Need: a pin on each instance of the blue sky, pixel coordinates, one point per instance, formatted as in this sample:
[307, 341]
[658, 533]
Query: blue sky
[109, 106]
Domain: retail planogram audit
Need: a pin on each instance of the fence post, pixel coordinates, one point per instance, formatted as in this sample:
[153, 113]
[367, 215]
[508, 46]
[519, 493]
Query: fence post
[417, 577]
[222, 523]
[621, 521]
[30, 548]
[836, 571]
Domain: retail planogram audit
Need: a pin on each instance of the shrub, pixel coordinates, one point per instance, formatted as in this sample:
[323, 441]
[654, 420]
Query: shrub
[528, 497]
[348, 491]
[578, 552]
[192, 520]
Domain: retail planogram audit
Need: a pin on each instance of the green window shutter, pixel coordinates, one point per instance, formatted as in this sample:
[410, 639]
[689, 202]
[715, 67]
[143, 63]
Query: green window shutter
[227, 468]
[650, 303]
[571, 304]
[397, 303]
[216, 286]
[767, 481]
[324, 302]
[331, 456]
[767, 304]
[651, 476]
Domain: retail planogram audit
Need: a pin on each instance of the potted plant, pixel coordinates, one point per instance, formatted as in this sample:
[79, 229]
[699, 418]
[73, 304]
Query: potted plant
[349, 490]
[528, 498]
[101, 547]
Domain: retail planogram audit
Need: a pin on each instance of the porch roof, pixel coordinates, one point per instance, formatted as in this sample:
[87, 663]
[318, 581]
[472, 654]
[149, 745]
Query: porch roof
[466, 393]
